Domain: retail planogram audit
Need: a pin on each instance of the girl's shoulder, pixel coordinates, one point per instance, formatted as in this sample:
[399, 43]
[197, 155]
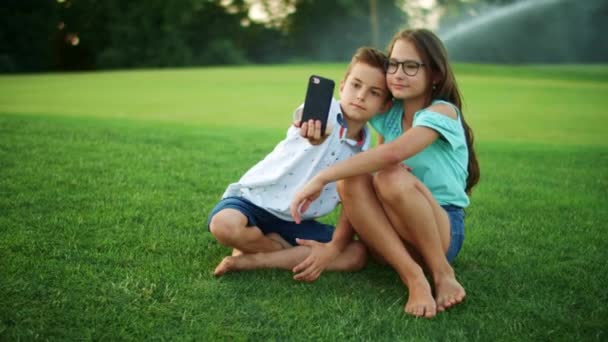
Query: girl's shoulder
[443, 107]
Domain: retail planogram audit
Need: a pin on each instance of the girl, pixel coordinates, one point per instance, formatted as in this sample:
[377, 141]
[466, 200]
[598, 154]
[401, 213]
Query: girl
[405, 197]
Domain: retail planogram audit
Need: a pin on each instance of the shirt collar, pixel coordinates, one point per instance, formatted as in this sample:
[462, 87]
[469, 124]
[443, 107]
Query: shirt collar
[344, 130]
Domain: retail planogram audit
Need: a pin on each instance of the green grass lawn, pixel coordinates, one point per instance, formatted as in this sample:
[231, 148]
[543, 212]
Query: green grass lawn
[106, 180]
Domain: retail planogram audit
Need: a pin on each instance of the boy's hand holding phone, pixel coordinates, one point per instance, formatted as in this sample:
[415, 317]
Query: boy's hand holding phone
[311, 130]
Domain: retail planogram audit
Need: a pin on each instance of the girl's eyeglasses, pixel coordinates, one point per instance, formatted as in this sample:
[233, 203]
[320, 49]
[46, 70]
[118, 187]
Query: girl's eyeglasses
[410, 68]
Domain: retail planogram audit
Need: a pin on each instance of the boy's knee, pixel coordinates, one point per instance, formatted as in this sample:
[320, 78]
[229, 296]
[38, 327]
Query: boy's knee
[223, 227]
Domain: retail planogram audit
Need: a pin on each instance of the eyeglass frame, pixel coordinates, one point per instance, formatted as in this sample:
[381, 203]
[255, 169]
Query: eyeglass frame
[402, 63]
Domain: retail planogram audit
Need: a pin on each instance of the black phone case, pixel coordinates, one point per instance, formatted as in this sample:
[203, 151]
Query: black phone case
[318, 100]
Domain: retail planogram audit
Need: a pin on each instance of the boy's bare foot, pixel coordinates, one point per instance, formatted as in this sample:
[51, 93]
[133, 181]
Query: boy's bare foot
[277, 238]
[420, 302]
[448, 292]
[226, 265]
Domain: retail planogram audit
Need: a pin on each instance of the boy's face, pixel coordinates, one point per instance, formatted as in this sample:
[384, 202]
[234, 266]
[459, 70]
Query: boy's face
[363, 93]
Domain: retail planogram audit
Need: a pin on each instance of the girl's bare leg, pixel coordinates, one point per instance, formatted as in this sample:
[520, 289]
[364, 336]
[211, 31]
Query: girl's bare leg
[424, 224]
[366, 214]
[353, 258]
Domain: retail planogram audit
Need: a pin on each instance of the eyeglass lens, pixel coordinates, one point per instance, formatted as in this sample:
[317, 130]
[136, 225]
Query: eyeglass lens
[410, 68]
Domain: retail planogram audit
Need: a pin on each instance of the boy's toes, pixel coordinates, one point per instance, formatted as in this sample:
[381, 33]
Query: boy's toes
[223, 267]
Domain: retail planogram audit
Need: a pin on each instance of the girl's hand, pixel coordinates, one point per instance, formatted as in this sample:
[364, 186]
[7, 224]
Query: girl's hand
[304, 197]
[321, 255]
[311, 130]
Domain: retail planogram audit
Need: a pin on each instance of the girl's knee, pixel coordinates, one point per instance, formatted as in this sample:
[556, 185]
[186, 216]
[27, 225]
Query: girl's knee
[394, 182]
[353, 187]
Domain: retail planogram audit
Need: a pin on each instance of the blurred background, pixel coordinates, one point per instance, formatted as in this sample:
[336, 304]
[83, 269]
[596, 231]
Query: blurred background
[60, 35]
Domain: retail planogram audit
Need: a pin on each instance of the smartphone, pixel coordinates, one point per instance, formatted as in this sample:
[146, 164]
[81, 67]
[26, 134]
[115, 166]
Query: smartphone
[318, 100]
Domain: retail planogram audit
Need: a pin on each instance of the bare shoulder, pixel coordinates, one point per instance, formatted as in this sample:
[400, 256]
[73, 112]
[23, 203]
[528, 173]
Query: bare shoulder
[444, 109]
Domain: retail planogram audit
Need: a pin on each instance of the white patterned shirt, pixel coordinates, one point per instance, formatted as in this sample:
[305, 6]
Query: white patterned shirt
[272, 182]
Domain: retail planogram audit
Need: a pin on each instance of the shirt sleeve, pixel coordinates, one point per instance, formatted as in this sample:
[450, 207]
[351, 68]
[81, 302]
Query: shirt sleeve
[450, 129]
[297, 113]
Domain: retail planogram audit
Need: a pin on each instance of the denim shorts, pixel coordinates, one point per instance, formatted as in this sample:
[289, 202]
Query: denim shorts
[456, 216]
[268, 223]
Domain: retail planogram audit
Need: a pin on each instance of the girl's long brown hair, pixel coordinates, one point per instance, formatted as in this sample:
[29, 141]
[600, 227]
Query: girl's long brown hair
[443, 83]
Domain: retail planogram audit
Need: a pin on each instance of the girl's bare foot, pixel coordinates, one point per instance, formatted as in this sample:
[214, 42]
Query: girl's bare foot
[448, 292]
[226, 265]
[420, 302]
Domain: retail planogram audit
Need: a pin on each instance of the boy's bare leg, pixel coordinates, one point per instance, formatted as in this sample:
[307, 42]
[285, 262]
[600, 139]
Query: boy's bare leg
[276, 237]
[229, 226]
[366, 214]
[272, 236]
[351, 259]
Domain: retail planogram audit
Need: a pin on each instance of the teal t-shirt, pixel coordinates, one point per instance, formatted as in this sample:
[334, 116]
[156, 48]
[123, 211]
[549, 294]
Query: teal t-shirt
[441, 166]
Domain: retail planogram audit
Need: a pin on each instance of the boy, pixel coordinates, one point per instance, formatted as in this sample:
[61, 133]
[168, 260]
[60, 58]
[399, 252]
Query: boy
[253, 216]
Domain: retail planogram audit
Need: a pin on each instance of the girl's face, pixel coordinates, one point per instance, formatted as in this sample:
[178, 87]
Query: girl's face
[407, 75]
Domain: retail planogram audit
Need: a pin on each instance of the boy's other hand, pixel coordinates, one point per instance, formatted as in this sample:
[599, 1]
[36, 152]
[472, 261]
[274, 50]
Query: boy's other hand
[304, 197]
[311, 130]
[321, 255]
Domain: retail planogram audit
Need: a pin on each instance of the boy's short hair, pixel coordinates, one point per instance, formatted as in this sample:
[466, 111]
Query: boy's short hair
[370, 56]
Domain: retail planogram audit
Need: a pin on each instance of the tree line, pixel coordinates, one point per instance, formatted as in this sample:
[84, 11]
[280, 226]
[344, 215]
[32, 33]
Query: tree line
[57, 35]
[43, 35]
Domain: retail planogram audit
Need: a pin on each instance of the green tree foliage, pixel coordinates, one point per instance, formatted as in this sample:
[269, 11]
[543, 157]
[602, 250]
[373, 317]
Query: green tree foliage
[40, 35]
[27, 35]
[332, 30]
[158, 33]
